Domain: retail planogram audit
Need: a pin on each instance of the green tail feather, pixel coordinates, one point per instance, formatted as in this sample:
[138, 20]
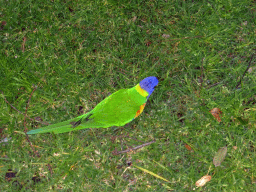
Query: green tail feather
[61, 127]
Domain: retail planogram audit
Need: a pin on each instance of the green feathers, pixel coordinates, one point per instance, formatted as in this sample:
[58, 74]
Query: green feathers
[117, 109]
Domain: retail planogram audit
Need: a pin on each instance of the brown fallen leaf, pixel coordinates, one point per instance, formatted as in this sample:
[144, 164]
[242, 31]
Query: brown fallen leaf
[216, 113]
[70, 9]
[148, 43]
[201, 182]
[23, 44]
[3, 23]
[188, 147]
[220, 156]
[10, 174]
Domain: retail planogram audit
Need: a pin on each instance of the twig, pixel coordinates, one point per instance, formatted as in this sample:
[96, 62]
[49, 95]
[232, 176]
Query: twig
[50, 168]
[32, 147]
[32, 119]
[115, 152]
[213, 85]
[239, 83]
[11, 104]
[23, 44]
[25, 115]
[35, 87]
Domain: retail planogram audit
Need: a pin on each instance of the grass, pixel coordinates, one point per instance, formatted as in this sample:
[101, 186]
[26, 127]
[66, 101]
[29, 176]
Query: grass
[78, 52]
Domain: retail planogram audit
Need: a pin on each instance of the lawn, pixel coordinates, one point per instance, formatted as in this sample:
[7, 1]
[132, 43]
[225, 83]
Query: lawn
[59, 59]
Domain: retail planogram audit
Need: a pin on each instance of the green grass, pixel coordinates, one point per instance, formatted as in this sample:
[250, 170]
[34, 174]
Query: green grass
[78, 52]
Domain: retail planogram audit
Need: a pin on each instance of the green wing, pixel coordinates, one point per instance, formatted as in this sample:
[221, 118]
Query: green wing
[116, 110]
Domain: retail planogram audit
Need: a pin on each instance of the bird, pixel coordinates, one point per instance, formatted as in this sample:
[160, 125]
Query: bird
[117, 109]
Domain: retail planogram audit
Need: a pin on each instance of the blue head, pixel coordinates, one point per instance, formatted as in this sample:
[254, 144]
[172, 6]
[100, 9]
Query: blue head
[148, 84]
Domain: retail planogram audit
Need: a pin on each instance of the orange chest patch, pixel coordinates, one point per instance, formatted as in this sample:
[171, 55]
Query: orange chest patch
[140, 110]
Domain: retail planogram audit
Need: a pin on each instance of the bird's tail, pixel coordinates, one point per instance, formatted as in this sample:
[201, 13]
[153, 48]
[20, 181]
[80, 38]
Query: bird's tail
[61, 127]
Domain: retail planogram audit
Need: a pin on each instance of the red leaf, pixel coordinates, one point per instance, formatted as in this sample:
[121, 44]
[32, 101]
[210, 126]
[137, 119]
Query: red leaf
[216, 113]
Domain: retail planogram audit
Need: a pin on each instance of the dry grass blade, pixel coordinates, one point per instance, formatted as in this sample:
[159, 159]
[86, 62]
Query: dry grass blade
[151, 173]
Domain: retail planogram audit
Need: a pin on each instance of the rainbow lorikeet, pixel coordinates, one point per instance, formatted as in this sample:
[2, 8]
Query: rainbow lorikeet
[117, 109]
